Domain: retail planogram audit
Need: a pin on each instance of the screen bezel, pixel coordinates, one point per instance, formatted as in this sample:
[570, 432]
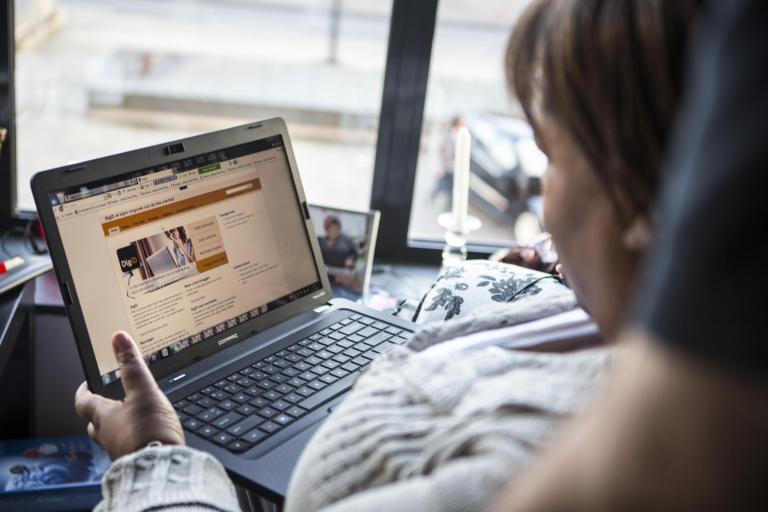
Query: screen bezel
[51, 181]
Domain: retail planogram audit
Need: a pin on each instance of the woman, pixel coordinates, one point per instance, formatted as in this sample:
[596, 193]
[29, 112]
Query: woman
[600, 83]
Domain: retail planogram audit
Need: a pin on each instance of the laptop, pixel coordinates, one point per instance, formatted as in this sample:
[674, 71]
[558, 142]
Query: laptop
[204, 250]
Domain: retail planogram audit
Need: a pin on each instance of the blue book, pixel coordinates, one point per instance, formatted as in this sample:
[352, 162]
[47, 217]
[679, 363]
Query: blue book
[59, 474]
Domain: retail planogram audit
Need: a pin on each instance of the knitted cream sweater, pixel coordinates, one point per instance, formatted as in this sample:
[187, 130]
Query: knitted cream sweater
[424, 432]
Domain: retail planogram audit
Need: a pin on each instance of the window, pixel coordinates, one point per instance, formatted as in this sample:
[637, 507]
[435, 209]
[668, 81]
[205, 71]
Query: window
[98, 77]
[467, 86]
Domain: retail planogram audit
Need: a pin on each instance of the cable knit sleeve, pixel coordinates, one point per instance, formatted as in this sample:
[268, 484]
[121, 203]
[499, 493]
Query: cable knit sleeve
[167, 478]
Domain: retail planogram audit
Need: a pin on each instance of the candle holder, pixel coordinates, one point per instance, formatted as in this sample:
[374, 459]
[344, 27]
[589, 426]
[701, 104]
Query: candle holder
[455, 248]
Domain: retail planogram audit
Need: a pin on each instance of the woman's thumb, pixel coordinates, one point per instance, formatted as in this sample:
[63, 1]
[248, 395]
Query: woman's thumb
[134, 372]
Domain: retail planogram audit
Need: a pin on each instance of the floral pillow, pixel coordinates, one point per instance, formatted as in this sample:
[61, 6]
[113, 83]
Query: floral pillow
[478, 283]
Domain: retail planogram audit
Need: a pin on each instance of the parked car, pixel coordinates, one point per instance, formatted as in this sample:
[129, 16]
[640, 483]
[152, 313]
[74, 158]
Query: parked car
[506, 167]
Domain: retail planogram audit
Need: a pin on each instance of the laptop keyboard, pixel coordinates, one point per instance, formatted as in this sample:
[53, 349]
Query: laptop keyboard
[256, 402]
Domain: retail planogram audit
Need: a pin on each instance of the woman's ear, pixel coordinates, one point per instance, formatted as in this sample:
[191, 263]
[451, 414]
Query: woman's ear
[637, 235]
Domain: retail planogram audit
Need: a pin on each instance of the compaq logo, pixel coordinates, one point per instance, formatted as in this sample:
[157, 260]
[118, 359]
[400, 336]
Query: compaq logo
[228, 338]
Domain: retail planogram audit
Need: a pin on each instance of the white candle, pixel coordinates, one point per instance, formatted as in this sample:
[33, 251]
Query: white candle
[461, 177]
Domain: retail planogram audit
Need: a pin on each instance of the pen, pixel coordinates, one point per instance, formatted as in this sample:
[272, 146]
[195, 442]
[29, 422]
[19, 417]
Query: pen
[9, 264]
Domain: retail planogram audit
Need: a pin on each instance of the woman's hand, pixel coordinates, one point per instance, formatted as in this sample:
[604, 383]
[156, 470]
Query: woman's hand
[145, 415]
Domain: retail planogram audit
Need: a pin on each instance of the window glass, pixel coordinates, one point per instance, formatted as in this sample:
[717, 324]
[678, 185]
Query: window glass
[96, 77]
[467, 87]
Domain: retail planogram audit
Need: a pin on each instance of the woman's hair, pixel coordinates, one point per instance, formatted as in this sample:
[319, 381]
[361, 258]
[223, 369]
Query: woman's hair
[610, 73]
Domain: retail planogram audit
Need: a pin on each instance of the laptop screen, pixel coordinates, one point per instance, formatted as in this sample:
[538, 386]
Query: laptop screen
[186, 251]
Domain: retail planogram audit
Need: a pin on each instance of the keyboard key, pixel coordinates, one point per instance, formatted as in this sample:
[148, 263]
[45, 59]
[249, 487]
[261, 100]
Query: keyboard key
[341, 358]
[305, 391]
[362, 361]
[219, 395]
[371, 354]
[324, 354]
[302, 366]
[241, 398]
[222, 439]
[304, 352]
[379, 338]
[350, 367]
[279, 378]
[254, 436]
[258, 375]
[266, 384]
[270, 359]
[233, 378]
[292, 358]
[238, 446]
[283, 389]
[267, 412]
[328, 378]
[254, 391]
[346, 321]
[316, 384]
[355, 317]
[282, 353]
[313, 360]
[280, 405]
[208, 390]
[232, 389]
[355, 338]
[367, 332]
[192, 424]
[339, 373]
[227, 420]
[282, 363]
[246, 410]
[270, 395]
[209, 415]
[326, 332]
[345, 343]
[352, 352]
[326, 341]
[270, 369]
[365, 320]
[246, 382]
[307, 376]
[336, 326]
[269, 427]
[228, 404]
[181, 404]
[206, 402]
[296, 382]
[330, 364]
[206, 432]
[247, 371]
[238, 429]
[336, 336]
[293, 398]
[259, 365]
[193, 409]
[283, 419]
[315, 346]
[194, 397]
[290, 372]
[316, 336]
[335, 349]
[319, 370]
[393, 330]
[259, 403]
[295, 411]
[380, 325]
[384, 347]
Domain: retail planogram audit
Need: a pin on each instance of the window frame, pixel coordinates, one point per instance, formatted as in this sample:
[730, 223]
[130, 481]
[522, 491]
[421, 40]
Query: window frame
[401, 116]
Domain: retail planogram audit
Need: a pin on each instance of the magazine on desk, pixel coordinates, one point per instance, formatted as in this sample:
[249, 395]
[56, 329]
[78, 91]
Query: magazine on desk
[51, 474]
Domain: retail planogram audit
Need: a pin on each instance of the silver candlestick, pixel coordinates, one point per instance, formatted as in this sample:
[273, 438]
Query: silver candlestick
[455, 248]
